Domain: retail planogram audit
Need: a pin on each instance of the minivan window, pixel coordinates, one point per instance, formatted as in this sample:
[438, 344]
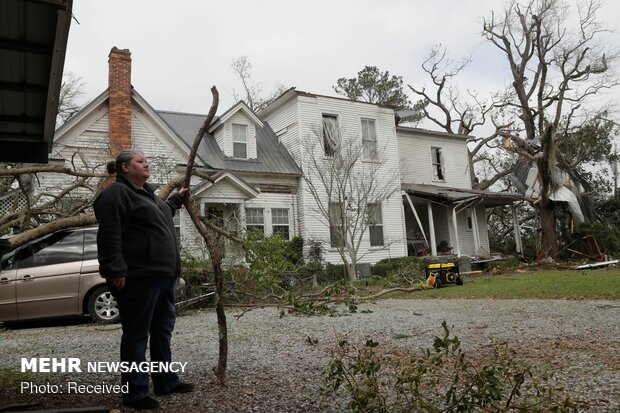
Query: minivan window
[57, 248]
[90, 245]
[8, 260]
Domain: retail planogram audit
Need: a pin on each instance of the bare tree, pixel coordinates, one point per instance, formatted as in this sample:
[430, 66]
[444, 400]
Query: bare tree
[252, 91]
[347, 192]
[35, 209]
[71, 90]
[555, 71]
[448, 109]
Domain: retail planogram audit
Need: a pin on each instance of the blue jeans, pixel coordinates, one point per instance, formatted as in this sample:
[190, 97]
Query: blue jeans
[146, 305]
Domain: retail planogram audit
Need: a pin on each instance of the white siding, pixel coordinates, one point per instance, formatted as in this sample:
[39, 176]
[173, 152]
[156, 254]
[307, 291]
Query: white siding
[267, 201]
[349, 115]
[193, 244]
[285, 122]
[86, 146]
[223, 135]
[223, 191]
[415, 158]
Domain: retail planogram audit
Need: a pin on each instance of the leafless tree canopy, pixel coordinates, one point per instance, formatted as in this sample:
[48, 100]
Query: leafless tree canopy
[252, 92]
[557, 62]
[71, 91]
[345, 190]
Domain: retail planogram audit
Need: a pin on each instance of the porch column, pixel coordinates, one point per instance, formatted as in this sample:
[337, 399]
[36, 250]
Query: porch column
[476, 233]
[417, 218]
[456, 232]
[431, 229]
[242, 217]
[517, 229]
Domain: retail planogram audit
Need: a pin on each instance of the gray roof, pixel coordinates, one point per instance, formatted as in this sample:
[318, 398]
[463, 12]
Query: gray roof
[273, 158]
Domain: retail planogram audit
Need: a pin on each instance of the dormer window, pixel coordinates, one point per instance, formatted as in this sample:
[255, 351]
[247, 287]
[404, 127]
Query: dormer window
[240, 141]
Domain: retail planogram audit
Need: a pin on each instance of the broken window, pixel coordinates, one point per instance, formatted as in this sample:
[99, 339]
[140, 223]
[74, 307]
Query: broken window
[437, 164]
[330, 134]
[369, 139]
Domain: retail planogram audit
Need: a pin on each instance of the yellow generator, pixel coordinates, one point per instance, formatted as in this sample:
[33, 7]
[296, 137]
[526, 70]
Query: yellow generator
[439, 274]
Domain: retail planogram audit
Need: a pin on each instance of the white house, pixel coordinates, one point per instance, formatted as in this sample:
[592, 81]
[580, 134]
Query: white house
[258, 162]
[442, 211]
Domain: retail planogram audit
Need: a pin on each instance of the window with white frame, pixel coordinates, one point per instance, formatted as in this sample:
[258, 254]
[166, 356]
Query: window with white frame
[375, 225]
[280, 222]
[437, 163]
[240, 141]
[330, 134]
[255, 220]
[468, 219]
[369, 139]
[336, 225]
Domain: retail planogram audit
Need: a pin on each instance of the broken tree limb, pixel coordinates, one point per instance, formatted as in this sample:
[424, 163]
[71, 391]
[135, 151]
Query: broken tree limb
[216, 259]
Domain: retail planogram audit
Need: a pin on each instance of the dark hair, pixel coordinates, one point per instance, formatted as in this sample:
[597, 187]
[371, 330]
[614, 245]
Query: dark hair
[110, 167]
[125, 156]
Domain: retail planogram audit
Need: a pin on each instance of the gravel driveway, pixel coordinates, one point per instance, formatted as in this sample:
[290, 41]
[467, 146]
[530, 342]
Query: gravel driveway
[274, 367]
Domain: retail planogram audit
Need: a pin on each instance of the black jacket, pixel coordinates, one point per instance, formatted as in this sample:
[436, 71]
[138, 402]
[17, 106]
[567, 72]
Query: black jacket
[136, 234]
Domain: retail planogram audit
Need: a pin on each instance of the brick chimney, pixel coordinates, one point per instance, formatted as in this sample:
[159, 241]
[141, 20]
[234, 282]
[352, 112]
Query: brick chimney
[119, 109]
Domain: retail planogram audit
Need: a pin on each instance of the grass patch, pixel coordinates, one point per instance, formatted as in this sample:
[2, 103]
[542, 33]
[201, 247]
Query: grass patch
[13, 378]
[560, 284]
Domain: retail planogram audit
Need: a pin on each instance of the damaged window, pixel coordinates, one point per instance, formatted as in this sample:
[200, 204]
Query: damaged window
[330, 134]
[369, 139]
[437, 164]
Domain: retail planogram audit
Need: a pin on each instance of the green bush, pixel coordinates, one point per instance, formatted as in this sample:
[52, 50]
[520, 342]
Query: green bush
[270, 259]
[333, 272]
[441, 379]
[195, 272]
[296, 250]
[400, 270]
[390, 265]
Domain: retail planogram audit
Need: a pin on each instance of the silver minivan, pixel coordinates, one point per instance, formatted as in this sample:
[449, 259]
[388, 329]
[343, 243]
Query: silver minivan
[55, 275]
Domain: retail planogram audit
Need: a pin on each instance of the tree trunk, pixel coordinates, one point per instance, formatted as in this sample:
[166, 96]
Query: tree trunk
[549, 241]
[350, 266]
[546, 207]
[216, 261]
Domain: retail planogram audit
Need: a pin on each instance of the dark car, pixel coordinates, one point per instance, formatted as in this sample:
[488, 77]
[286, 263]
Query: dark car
[56, 275]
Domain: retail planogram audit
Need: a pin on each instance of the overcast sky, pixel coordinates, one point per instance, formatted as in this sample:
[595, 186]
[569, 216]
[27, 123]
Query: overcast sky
[181, 48]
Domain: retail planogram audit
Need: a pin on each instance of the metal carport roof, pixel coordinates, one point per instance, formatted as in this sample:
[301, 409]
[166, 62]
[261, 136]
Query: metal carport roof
[33, 42]
[448, 195]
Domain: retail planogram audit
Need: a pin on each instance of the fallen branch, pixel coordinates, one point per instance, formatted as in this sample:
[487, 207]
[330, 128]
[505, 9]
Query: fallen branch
[220, 370]
[391, 290]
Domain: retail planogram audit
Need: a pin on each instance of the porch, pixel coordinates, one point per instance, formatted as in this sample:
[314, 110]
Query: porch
[442, 220]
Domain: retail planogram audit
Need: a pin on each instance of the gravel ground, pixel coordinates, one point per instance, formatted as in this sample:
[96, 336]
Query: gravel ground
[273, 367]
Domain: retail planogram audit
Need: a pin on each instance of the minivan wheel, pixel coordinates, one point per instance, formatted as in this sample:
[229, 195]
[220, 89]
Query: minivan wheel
[102, 306]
